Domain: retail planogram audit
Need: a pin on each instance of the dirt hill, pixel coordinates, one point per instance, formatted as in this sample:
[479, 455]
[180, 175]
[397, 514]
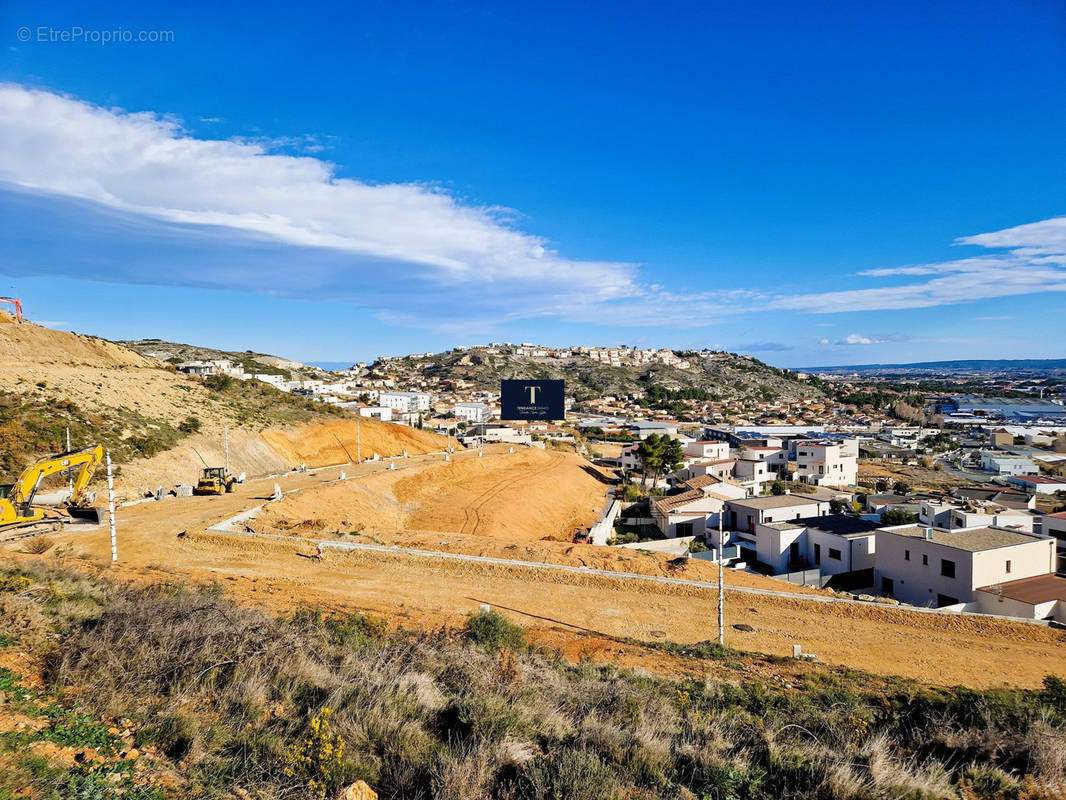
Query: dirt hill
[155, 420]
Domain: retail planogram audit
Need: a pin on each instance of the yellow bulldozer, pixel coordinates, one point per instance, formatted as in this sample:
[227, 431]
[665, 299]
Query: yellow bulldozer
[19, 515]
[215, 480]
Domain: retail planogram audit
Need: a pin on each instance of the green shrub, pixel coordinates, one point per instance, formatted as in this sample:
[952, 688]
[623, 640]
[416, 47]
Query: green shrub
[493, 631]
[568, 775]
[190, 425]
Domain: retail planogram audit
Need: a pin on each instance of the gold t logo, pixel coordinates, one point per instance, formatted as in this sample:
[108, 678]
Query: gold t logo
[532, 393]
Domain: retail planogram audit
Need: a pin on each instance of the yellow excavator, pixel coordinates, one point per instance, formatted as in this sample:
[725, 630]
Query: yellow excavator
[19, 515]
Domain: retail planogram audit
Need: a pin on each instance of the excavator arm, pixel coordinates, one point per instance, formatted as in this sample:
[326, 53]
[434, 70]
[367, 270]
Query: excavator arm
[85, 461]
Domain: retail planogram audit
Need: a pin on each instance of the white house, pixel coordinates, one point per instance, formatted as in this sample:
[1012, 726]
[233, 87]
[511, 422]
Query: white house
[745, 514]
[695, 510]
[406, 401]
[934, 567]
[714, 451]
[827, 463]
[833, 544]
[1000, 464]
[1039, 597]
[384, 413]
[473, 413]
[1038, 484]
[949, 514]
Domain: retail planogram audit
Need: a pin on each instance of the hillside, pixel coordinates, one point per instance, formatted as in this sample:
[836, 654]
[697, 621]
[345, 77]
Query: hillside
[724, 375]
[156, 422]
[261, 363]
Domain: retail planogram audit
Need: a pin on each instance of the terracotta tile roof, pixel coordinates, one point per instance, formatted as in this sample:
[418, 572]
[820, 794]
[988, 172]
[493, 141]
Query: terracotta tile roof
[667, 504]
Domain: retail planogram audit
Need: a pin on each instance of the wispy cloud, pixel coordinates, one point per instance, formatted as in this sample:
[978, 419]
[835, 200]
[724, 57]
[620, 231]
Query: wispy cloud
[146, 164]
[858, 339]
[762, 347]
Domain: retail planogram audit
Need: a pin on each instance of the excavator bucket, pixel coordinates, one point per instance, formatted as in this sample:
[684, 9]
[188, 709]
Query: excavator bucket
[90, 514]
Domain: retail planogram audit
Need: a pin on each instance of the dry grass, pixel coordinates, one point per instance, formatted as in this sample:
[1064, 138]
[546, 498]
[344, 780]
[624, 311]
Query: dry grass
[227, 691]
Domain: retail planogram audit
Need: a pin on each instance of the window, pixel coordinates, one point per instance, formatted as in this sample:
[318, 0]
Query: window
[906, 555]
[1008, 565]
[887, 586]
[834, 553]
[925, 560]
[947, 569]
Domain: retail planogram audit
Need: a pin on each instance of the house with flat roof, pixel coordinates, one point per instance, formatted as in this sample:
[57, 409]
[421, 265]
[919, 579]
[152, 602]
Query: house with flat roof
[999, 464]
[745, 514]
[834, 544]
[934, 567]
[827, 462]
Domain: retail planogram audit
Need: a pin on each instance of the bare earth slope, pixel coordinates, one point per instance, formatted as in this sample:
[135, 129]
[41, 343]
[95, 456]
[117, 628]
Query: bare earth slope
[141, 409]
[522, 496]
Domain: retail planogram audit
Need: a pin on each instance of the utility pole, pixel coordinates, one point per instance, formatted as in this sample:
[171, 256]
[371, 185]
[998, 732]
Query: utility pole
[721, 582]
[358, 442]
[70, 475]
[111, 508]
[225, 434]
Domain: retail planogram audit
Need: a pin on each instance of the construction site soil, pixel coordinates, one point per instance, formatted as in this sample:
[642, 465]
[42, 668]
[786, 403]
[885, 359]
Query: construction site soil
[581, 614]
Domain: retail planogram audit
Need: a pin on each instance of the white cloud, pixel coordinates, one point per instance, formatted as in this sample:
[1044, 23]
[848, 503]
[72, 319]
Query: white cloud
[413, 253]
[146, 164]
[859, 339]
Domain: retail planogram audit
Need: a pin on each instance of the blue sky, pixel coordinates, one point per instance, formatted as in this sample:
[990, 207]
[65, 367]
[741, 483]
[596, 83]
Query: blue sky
[809, 183]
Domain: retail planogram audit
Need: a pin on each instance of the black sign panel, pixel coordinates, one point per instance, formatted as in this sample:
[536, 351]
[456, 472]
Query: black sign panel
[527, 400]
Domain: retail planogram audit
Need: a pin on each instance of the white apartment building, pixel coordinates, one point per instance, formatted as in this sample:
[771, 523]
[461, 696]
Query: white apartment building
[934, 567]
[474, 413]
[827, 463]
[406, 401]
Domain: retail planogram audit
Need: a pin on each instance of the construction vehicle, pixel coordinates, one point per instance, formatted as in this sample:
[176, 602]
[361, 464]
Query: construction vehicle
[215, 480]
[19, 515]
[17, 303]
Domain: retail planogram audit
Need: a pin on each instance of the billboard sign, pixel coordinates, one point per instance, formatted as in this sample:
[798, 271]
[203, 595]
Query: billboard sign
[532, 400]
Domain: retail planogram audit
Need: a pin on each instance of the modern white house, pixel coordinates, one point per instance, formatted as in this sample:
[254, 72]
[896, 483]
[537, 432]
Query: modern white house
[384, 413]
[406, 401]
[951, 514]
[474, 413]
[834, 544]
[933, 567]
[827, 463]
[745, 514]
[1000, 464]
[711, 450]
